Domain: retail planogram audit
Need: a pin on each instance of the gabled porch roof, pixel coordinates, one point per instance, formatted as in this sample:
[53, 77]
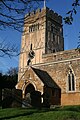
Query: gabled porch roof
[45, 78]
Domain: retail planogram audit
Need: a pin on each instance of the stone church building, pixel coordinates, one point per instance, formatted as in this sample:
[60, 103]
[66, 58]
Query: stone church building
[44, 67]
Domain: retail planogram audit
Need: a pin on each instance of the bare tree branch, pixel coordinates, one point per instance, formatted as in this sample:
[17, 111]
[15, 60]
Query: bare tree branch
[7, 49]
[13, 12]
[12, 15]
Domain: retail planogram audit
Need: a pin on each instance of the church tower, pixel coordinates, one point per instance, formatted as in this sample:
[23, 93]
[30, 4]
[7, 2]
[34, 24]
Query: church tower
[43, 34]
[47, 74]
[54, 41]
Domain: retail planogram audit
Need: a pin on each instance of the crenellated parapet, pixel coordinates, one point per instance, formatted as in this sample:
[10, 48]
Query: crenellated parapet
[50, 13]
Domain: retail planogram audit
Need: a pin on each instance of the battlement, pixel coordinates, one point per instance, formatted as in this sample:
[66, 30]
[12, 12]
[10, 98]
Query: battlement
[45, 11]
[53, 15]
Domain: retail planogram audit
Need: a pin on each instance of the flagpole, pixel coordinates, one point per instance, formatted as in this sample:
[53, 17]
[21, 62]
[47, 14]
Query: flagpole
[44, 3]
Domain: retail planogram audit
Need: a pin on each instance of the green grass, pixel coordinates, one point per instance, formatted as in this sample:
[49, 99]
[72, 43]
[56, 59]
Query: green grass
[63, 113]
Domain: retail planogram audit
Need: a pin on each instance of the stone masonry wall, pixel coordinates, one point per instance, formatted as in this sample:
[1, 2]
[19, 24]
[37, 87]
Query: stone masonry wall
[58, 69]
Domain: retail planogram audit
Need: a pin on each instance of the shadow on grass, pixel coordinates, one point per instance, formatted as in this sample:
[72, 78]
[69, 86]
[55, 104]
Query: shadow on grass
[26, 113]
[18, 115]
[29, 111]
[32, 111]
[70, 108]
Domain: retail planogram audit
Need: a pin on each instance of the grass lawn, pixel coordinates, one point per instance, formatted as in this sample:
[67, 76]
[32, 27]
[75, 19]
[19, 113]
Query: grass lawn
[63, 113]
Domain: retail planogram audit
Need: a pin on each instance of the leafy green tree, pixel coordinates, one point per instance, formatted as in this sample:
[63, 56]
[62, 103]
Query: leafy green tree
[69, 19]
[10, 79]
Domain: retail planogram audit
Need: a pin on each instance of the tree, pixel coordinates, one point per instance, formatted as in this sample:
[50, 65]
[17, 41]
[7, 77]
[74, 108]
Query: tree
[12, 12]
[9, 80]
[70, 13]
[12, 15]
[69, 18]
[7, 49]
[12, 77]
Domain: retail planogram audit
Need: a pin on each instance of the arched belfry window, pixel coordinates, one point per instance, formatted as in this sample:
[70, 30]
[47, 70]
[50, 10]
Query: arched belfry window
[71, 81]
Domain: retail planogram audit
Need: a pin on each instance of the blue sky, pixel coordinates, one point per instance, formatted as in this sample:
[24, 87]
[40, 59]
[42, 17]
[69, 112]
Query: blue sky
[71, 32]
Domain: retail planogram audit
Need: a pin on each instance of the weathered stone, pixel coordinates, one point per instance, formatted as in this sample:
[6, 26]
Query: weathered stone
[49, 70]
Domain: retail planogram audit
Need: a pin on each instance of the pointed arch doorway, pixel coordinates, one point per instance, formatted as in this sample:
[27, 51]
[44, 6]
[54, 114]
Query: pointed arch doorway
[29, 88]
[31, 96]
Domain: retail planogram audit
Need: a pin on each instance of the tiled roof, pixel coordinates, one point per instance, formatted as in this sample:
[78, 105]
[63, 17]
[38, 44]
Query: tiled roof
[45, 78]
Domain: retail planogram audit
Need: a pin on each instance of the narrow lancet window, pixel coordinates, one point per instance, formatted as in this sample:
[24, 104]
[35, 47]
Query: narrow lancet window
[71, 81]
